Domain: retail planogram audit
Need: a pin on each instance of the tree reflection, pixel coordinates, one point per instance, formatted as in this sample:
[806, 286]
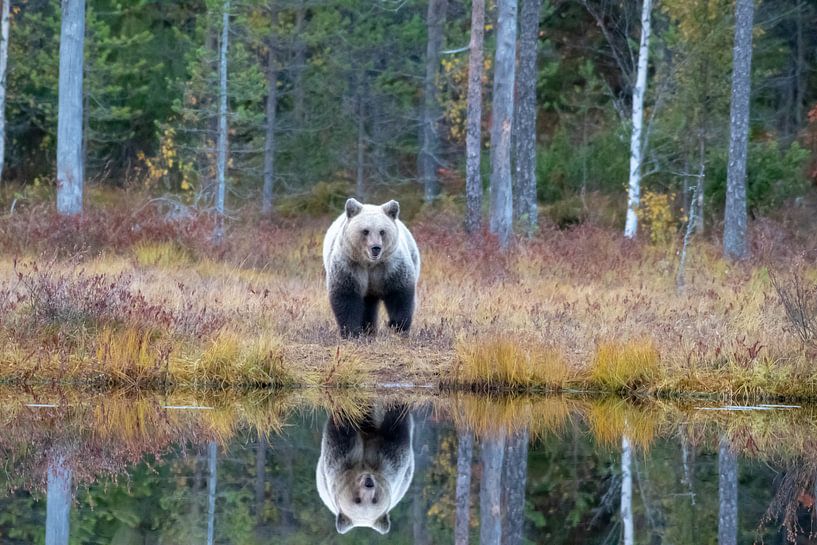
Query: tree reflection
[490, 490]
[627, 490]
[727, 494]
[58, 502]
[516, 477]
[465, 449]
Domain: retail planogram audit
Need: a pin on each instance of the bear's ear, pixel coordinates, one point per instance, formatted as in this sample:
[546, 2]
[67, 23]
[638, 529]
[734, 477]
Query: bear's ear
[353, 207]
[383, 524]
[342, 523]
[392, 209]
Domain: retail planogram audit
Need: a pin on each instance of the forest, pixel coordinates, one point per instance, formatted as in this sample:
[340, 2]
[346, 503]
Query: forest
[626, 187]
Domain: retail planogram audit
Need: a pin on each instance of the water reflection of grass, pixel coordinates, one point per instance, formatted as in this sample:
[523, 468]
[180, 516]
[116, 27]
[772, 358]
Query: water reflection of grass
[105, 433]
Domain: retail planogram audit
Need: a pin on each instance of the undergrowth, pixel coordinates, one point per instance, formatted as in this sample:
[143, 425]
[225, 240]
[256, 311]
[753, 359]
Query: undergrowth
[134, 295]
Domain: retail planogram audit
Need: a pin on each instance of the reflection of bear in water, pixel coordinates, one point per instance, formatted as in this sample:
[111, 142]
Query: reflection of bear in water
[365, 468]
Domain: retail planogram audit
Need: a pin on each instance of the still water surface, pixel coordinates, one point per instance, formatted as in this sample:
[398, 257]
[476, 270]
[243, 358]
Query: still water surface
[423, 471]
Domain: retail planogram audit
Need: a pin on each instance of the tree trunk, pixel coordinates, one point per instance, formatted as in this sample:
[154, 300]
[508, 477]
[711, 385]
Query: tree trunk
[473, 125]
[490, 490]
[300, 64]
[4, 57]
[501, 205]
[70, 168]
[269, 137]
[640, 89]
[515, 480]
[58, 503]
[727, 493]
[221, 159]
[734, 227]
[627, 491]
[260, 476]
[360, 182]
[465, 447]
[525, 116]
[800, 69]
[429, 151]
[212, 460]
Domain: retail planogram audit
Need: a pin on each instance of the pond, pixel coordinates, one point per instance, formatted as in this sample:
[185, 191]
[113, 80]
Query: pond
[384, 467]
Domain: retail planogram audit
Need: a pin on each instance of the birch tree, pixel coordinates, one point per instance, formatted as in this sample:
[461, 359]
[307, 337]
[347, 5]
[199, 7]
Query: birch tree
[473, 123]
[269, 132]
[490, 490]
[70, 167]
[465, 447]
[429, 151]
[58, 503]
[221, 150]
[501, 205]
[634, 185]
[627, 490]
[727, 493]
[4, 57]
[734, 225]
[525, 116]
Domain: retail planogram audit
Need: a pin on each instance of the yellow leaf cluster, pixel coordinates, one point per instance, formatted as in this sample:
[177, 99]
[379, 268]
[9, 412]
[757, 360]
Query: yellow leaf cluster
[656, 212]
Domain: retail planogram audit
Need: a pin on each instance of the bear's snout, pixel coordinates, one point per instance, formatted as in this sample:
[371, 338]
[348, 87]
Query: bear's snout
[368, 482]
[376, 251]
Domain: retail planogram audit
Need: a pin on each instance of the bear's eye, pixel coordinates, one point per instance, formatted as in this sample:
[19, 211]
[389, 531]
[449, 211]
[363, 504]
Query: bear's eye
[374, 500]
[365, 232]
[357, 500]
[382, 232]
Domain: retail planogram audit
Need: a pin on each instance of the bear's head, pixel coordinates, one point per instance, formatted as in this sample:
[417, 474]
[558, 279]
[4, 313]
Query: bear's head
[371, 231]
[363, 499]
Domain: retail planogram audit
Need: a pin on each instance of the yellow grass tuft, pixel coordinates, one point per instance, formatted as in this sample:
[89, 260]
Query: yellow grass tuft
[230, 360]
[624, 366]
[161, 254]
[131, 355]
[509, 362]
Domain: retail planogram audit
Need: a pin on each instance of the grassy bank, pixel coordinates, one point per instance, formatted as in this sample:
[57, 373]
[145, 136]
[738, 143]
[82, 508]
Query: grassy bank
[133, 299]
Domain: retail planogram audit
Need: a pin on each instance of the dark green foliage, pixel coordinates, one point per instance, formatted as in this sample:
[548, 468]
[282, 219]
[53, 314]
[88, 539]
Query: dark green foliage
[349, 94]
[773, 175]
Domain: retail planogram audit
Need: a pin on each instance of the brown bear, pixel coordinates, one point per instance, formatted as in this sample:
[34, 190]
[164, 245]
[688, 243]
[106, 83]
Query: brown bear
[370, 256]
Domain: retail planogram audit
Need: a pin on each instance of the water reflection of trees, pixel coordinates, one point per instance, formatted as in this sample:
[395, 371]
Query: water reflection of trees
[570, 490]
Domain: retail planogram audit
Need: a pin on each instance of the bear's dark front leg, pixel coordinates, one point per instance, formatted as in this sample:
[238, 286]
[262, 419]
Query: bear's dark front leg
[370, 305]
[400, 306]
[348, 306]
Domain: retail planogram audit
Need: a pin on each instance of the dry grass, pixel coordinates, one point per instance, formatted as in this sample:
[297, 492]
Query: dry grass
[579, 309]
[622, 367]
[497, 362]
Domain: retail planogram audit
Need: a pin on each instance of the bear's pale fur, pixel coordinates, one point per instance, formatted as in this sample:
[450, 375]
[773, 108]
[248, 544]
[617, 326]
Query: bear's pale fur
[370, 256]
[365, 469]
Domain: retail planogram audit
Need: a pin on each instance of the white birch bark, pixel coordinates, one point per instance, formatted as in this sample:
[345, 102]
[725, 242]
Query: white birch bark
[221, 157]
[501, 205]
[640, 89]
[473, 125]
[70, 167]
[734, 225]
[4, 57]
[58, 503]
[627, 491]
